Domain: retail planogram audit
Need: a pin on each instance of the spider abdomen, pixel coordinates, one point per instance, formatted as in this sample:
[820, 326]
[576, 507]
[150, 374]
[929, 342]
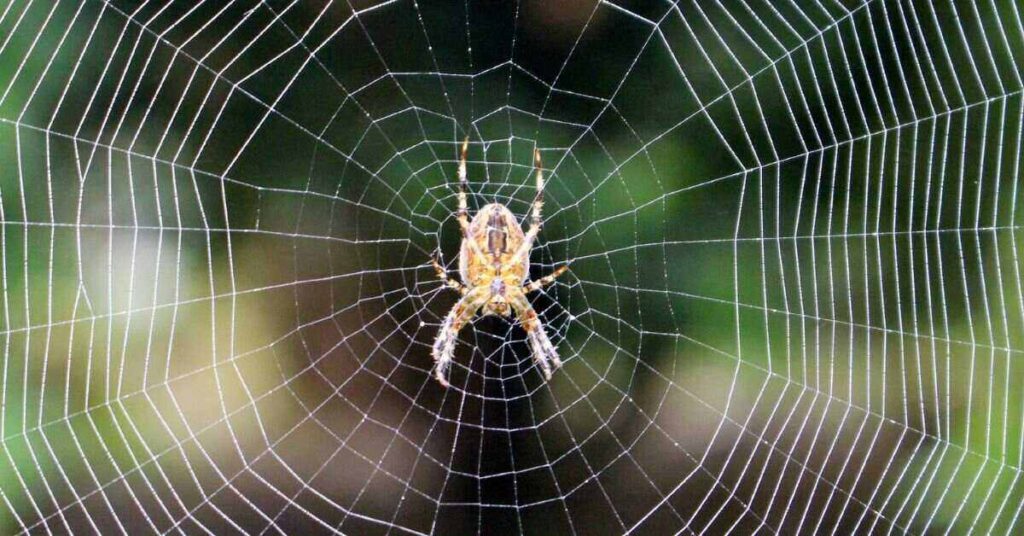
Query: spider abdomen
[499, 237]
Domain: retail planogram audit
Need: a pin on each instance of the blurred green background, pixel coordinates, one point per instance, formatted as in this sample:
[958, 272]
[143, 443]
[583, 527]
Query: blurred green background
[795, 300]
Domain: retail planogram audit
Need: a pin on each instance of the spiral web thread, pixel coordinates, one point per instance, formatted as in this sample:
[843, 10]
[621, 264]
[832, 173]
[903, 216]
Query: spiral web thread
[794, 306]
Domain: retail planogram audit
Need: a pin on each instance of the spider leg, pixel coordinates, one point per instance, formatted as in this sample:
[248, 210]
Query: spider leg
[544, 353]
[442, 274]
[538, 202]
[535, 218]
[463, 214]
[444, 344]
[546, 280]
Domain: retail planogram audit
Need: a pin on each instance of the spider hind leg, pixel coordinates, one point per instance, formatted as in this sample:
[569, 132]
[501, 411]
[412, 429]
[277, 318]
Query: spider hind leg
[544, 353]
[444, 345]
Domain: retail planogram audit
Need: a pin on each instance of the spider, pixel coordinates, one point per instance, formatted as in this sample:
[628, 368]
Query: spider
[494, 262]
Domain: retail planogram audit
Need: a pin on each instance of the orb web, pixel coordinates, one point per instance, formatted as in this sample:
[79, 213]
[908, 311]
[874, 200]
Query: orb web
[794, 302]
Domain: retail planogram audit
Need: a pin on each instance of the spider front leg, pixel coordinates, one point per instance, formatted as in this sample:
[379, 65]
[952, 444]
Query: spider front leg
[444, 344]
[544, 353]
[463, 214]
[535, 217]
[538, 202]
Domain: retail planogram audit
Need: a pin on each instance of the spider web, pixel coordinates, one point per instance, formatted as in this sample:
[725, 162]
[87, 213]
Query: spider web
[794, 306]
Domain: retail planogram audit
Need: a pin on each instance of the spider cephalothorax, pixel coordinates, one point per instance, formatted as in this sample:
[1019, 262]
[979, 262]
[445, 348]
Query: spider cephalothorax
[494, 262]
